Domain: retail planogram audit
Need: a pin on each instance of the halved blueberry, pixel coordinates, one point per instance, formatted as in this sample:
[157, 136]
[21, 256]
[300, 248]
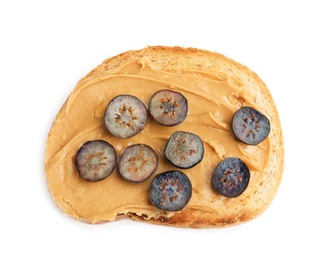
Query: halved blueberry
[137, 162]
[125, 116]
[168, 107]
[170, 191]
[250, 125]
[96, 160]
[184, 149]
[231, 177]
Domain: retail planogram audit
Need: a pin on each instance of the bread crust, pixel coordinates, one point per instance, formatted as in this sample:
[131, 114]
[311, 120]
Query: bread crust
[192, 59]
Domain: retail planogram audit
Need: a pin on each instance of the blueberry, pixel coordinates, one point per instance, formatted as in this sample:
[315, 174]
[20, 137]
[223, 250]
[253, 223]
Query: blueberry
[250, 126]
[184, 149]
[170, 191]
[168, 107]
[231, 177]
[95, 160]
[137, 162]
[125, 116]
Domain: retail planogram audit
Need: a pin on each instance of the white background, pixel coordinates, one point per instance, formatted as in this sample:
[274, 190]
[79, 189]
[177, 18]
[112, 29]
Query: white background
[47, 46]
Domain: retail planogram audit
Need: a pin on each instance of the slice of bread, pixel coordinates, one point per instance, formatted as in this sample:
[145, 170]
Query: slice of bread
[215, 87]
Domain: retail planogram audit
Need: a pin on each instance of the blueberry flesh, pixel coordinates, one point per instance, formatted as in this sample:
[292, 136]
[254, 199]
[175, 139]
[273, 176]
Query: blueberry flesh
[170, 191]
[96, 160]
[184, 149]
[137, 162]
[250, 125]
[125, 116]
[168, 107]
[231, 177]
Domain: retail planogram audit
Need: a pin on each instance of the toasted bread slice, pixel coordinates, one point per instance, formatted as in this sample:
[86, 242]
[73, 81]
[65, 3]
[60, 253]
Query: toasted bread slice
[215, 87]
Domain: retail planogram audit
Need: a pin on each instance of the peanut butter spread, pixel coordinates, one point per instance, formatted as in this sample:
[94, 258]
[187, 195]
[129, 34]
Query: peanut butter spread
[212, 101]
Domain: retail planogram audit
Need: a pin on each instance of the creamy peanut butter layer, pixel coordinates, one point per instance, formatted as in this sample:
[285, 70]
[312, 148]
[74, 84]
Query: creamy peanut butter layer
[212, 101]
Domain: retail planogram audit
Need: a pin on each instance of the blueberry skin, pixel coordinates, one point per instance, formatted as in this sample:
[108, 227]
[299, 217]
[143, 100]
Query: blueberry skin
[250, 126]
[96, 160]
[137, 163]
[125, 116]
[168, 108]
[184, 149]
[170, 191]
[231, 177]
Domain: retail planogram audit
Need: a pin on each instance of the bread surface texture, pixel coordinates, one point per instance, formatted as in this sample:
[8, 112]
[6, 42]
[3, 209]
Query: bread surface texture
[216, 87]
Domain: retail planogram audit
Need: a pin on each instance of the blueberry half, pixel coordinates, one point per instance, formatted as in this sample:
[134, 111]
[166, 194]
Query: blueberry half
[137, 162]
[231, 177]
[170, 191]
[125, 116]
[168, 107]
[95, 160]
[250, 125]
[184, 149]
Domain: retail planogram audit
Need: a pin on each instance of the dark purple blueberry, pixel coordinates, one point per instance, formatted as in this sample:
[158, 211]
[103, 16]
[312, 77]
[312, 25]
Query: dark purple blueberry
[184, 149]
[250, 125]
[96, 160]
[125, 116]
[231, 177]
[168, 107]
[137, 163]
[170, 191]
